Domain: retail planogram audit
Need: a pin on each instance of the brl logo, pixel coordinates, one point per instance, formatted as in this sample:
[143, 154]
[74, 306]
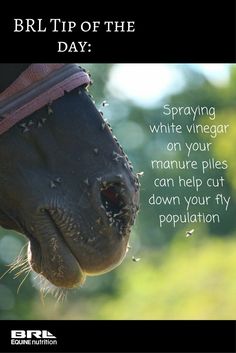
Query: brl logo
[32, 337]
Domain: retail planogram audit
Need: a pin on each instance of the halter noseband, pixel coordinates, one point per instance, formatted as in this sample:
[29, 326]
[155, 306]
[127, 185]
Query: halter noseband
[38, 86]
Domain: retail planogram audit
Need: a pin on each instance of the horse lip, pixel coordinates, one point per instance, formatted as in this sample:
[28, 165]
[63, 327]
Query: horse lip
[35, 255]
[60, 234]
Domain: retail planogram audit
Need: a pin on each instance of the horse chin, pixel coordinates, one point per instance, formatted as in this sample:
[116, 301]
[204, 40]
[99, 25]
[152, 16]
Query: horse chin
[49, 256]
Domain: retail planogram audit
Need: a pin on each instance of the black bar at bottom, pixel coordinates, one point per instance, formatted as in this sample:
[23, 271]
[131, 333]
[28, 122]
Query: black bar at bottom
[119, 336]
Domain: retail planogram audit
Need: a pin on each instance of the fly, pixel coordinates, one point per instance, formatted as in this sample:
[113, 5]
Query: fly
[189, 233]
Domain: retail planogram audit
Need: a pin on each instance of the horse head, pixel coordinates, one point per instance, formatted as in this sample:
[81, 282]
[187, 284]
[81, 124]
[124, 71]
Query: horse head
[66, 183]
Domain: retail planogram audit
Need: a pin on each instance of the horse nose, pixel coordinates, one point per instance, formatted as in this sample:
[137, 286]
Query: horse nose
[117, 201]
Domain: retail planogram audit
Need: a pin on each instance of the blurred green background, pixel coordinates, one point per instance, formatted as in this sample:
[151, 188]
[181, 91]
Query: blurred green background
[177, 277]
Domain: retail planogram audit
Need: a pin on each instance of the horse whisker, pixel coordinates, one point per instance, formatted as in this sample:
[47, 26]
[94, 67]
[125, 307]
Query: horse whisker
[27, 274]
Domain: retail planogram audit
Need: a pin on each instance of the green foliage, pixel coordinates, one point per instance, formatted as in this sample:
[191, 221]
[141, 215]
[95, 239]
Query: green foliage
[187, 281]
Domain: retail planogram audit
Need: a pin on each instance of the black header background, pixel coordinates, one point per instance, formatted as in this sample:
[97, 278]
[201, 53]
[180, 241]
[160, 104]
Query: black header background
[170, 32]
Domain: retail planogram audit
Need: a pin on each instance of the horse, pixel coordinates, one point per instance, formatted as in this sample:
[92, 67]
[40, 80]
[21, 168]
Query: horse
[66, 183]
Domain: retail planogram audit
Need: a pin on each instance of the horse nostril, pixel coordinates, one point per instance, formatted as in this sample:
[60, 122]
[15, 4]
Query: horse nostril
[115, 203]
